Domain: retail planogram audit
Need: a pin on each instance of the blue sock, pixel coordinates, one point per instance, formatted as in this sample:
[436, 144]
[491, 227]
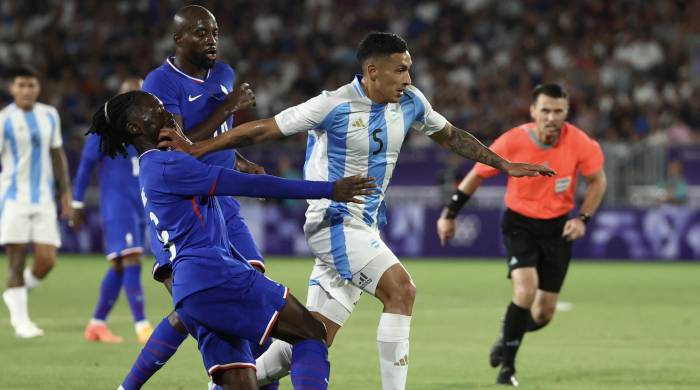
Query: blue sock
[158, 349]
[310, 366]
[258, 350]
[109, 292]
[133, 290]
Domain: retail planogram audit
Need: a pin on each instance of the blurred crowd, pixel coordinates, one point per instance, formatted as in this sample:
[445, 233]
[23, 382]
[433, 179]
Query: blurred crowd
[632, 67]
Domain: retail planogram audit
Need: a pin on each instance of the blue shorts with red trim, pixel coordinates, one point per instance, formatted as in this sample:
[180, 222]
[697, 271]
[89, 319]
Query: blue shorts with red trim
[226, 318]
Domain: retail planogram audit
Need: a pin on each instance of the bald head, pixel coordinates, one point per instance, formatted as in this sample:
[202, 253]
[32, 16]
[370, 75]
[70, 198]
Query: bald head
[189, 15]
[130, 84]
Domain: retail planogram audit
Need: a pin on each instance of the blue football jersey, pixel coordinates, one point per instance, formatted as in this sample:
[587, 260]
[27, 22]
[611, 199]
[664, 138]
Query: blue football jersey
[178, 192]
[118, 179]
[194, 99]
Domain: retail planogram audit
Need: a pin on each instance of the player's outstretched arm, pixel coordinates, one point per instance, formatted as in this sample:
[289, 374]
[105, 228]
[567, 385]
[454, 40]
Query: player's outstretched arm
[231, 182]
[240, 99]
[467, 146]
[89, 159]
[251, 133]
[59, 164]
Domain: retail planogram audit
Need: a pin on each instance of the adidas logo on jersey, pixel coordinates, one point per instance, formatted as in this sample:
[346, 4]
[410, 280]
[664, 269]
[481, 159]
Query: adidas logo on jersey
[358, 123]
[402, 362]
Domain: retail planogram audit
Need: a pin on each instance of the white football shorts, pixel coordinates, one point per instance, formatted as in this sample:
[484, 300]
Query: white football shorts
[350, 258]
[35, 223]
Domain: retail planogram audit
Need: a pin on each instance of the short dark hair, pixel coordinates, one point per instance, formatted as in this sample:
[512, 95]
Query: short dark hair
[552, 90]
[110, 120]
[23, 71]
[380, 43]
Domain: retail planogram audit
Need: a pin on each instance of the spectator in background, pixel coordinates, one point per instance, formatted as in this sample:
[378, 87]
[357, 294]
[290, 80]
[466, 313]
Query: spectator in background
[675, 190]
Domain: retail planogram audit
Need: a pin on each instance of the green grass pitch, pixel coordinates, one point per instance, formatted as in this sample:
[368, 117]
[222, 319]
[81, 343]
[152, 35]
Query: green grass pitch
[630, 326]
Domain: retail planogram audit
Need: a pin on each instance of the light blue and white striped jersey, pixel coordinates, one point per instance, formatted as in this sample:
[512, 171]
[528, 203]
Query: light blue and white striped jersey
[26, 138]
[350, 135]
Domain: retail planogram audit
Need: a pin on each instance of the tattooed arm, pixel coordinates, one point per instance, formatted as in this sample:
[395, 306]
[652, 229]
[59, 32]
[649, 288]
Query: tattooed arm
[467, 146]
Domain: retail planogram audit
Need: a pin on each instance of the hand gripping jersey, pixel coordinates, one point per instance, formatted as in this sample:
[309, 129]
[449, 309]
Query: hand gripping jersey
[350, 135]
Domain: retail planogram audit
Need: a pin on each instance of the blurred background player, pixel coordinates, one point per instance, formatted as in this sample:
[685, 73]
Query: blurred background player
[123, 224]
[359, 129]
[219, 296]
[537, 229]
[31, 146]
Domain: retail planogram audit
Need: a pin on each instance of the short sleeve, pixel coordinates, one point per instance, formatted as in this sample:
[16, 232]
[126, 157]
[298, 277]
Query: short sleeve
[185, 175]
[591, 157]
[56, 135]
[426, 119]
[309, 115]
[157, 83]
[500, 147]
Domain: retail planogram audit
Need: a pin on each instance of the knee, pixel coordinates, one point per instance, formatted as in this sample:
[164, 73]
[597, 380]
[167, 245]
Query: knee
[316, 330]
[176, 322]
[524, 293]
[47, 261]
[544, 315]
[404, 294]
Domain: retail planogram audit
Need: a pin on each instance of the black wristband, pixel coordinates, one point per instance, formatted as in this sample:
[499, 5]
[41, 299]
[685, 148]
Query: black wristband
[457, 200]
[585, 218]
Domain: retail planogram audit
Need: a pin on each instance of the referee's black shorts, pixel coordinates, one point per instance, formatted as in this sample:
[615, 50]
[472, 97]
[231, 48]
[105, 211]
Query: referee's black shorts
[537, 243]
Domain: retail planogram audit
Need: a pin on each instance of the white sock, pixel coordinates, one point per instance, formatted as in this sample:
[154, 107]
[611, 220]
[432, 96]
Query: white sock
[30, 281]
[392, 342]
[16, 300]
[275, 363]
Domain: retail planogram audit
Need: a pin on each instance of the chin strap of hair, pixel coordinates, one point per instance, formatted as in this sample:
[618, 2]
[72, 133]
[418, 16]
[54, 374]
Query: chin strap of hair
[457, 201]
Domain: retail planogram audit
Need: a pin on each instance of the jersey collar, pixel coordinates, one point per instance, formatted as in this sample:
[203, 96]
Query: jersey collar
[144, 153]
[357, 84]
[175, 68]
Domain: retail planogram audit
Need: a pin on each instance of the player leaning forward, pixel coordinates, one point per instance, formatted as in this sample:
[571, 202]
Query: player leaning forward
[359, 129]
[537, 229]
[31, 149]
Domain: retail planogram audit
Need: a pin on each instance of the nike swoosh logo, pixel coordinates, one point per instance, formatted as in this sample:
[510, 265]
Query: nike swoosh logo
[159, 363]
[191, 98]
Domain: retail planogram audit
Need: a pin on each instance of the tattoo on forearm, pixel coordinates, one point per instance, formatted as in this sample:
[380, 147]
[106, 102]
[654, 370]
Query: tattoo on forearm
[466, 145]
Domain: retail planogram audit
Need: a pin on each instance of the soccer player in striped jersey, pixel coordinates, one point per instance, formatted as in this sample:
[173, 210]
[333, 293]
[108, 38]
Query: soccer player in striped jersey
[123, 224]
[32, 154]
[359, 129]
[222, 300]
[537, 229]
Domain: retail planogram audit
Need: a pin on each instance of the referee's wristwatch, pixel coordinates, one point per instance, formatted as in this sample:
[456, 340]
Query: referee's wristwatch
[585, 218]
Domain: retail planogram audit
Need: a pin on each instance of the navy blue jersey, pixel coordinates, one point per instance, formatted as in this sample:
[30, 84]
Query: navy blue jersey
[178, 192]
[194, 99]
[118, 178]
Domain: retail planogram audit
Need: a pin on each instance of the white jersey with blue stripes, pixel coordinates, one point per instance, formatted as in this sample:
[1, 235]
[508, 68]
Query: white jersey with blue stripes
[350, 135]
[26, 138]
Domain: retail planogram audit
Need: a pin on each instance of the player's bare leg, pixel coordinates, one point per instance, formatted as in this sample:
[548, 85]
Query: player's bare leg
[44, 261]
[236, 379]
[15, 296]
[543, 309]
[397, 292]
